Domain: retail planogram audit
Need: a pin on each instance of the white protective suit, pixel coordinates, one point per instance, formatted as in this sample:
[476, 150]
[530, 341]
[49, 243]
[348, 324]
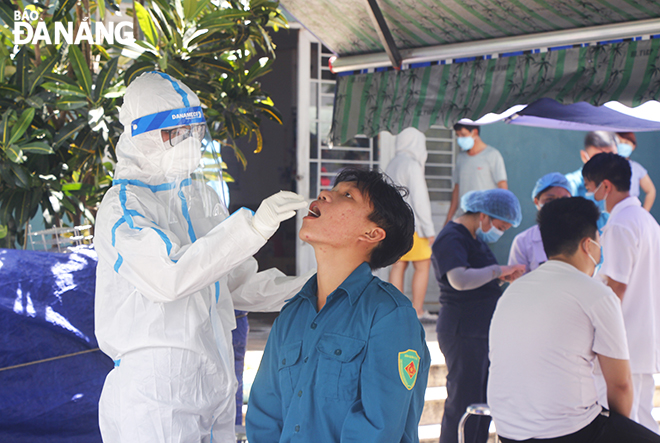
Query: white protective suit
[407, 169]
[168, 279]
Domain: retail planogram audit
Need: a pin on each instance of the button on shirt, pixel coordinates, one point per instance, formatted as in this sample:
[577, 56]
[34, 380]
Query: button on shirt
[337, 374]
[631, 249]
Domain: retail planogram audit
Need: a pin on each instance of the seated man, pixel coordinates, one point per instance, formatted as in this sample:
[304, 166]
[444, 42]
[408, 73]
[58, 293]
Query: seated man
[548, 330]
[347, 358]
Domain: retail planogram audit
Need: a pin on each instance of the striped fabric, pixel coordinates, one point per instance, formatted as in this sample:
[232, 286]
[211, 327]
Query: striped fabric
[366, 103]
[390, 100]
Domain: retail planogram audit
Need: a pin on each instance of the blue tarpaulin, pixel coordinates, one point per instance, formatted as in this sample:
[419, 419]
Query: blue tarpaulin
[51, 371]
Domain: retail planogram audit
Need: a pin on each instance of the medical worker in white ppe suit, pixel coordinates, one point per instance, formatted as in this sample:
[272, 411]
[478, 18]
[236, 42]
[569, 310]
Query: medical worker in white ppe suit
[172, 268]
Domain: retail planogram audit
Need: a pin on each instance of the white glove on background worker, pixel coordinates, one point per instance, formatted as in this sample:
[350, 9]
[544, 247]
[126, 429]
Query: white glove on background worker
[274, 210]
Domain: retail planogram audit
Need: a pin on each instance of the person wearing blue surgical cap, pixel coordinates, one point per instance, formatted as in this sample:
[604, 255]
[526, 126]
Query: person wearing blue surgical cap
[527, 247]
[469, 279]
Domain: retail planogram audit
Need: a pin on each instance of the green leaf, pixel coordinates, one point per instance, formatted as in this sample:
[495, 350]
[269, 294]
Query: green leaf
[70, 102]
[34, 147]
[270, 111]
[136, 70]
[11, 91]
[64, 89]
[58, 78]
[79, 65]
[101, 6]
[219, 66]
[22, 66]
[14, 153]
[46, 66]
[21, 125]
[62, 8]
[105, 77]
[3, 231]
[146, 24]
[21, 176]
[69, 131]
[7, 15]
[71, 187]
[192, 8]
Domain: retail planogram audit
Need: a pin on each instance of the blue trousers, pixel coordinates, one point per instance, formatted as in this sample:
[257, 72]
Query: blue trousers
[467, 365]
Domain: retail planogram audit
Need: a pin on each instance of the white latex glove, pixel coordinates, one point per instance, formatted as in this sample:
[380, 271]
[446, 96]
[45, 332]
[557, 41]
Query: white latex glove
[274, 210]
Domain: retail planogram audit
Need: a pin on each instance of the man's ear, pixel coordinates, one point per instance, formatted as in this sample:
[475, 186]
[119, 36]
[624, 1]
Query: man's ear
[373, 235]
[584, 156]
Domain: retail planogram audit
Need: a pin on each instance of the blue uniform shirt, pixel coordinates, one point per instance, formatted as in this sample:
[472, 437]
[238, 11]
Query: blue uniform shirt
[576, 180]
[354, 371]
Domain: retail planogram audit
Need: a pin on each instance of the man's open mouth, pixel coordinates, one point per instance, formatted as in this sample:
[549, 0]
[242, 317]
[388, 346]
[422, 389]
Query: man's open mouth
[313, 210]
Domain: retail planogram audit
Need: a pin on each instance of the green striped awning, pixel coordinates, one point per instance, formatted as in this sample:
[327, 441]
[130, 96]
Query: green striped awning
[596, 68]
[390, 100]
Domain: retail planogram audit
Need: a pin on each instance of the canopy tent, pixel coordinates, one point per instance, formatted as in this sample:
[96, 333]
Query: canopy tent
[466, 58]
[547, 113]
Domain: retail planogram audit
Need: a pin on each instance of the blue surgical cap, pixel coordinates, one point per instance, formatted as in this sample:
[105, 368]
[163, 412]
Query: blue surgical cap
[497, 203]
[550, 181]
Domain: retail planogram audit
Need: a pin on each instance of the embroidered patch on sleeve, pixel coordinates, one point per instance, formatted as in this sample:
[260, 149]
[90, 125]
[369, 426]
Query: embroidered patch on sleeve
[408, 367]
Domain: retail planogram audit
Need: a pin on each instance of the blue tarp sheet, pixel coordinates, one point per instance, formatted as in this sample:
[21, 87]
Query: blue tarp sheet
[51, 371]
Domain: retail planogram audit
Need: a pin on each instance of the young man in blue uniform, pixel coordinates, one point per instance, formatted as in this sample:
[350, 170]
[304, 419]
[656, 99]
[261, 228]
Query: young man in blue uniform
[346, 359]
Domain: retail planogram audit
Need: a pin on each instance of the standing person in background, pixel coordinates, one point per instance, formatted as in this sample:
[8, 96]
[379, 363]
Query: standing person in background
[469, 279]
[595, 142]
[631, 267]
[627, 142]
[527, 247]
[478, 167]
[407, 169]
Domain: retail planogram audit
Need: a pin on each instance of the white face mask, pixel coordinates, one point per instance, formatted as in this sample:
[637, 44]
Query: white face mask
[181, 160]
[596, 264]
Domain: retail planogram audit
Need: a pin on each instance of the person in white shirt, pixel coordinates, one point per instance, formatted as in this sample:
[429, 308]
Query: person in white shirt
[527, 247]
[479, 167]
[548, 330]
[407, 169]
[631, 267]
[626, 144]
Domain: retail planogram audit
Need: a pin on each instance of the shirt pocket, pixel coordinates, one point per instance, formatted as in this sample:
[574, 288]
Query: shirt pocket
[289, 356]
[339, 365]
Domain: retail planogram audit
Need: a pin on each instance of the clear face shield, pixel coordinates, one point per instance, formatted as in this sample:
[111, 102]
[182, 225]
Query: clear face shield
[191, 163]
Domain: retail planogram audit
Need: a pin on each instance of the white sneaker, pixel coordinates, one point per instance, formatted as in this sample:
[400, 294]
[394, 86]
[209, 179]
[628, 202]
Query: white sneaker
[427, 317]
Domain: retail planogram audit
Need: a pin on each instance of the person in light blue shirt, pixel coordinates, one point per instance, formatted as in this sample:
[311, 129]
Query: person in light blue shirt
[595, 142]
[346, 360]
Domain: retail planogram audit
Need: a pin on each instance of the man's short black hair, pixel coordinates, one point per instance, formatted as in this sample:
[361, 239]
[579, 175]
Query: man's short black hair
[459, 126]
[390, 212]
[565, 222]
[608, 166]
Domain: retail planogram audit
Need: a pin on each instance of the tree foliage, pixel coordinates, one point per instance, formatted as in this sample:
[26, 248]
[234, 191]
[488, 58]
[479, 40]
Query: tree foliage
[59, 103]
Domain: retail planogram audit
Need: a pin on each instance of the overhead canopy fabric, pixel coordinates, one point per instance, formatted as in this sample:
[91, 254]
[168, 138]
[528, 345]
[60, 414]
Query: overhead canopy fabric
[346, 28]
[607, 65]
[389, 100]
[547, 113]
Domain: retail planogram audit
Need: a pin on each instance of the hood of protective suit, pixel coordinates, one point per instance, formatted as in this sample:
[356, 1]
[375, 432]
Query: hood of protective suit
[412, 142]
[140, 157]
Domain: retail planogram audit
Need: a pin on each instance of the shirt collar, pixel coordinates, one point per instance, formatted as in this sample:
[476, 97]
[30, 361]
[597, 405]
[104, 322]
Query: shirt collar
[353, 286]
[625, 203]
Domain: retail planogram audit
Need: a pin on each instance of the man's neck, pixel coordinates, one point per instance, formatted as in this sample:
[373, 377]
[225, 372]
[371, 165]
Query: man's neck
[574, 260]
[333, 267]
[614, 198]
[479, 146]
